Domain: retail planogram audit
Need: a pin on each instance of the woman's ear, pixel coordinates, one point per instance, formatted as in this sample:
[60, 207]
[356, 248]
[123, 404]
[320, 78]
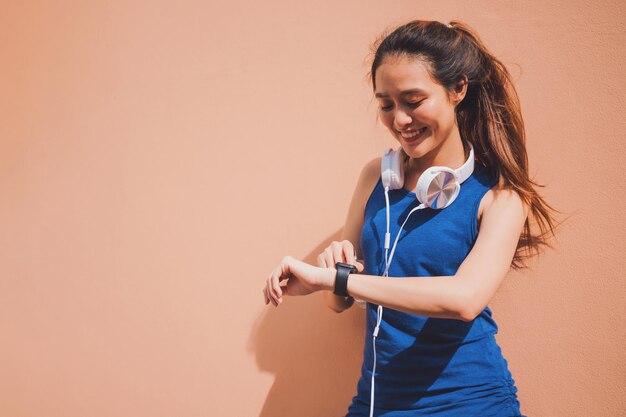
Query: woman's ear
[459, 91]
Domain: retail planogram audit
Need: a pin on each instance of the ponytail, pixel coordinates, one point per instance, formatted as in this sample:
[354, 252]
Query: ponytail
[489, 117]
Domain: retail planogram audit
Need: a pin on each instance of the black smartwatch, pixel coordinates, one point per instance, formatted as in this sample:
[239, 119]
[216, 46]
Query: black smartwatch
[341, 278]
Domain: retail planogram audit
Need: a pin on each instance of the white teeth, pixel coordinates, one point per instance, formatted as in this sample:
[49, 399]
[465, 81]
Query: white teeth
[411, 135]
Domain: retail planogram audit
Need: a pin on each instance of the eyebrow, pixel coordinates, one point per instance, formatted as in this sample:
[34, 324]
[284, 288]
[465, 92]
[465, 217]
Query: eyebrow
[403, 93]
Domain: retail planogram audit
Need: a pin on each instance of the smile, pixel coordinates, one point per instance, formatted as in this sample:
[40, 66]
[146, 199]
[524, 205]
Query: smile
[413, 136]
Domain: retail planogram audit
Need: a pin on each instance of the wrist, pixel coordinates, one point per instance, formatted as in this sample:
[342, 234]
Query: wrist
[342, 273]
[328, 283]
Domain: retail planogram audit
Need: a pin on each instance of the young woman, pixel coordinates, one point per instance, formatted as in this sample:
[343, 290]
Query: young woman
[459, 204]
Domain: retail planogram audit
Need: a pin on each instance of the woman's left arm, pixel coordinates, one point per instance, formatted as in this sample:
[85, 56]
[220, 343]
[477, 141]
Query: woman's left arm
[485, 267]
[462, 296]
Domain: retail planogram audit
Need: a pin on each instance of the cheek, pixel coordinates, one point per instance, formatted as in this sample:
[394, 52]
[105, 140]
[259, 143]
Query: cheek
[386, 119]
[426, 112]
[428, 115]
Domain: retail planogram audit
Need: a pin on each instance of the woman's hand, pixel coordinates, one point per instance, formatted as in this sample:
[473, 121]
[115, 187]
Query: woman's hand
[339, 252]
[302, 279]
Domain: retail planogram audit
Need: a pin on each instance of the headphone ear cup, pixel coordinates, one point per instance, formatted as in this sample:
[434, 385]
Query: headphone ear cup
[421, 189]
[392, 167]
[437, 187]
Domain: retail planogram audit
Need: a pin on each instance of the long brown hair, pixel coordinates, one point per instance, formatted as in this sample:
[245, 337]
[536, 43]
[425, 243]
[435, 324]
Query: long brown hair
[489, 117]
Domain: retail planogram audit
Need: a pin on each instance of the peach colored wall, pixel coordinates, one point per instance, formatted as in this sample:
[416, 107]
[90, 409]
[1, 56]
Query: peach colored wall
[158, 159]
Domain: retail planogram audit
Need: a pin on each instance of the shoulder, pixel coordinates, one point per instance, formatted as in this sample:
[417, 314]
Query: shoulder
[370, 173]
[371, 170]
[501, 197]
[354, 220]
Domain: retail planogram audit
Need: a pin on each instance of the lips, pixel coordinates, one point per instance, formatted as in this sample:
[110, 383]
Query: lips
[419, 136]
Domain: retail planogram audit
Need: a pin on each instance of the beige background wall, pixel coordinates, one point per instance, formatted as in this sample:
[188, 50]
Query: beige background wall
[158, 159]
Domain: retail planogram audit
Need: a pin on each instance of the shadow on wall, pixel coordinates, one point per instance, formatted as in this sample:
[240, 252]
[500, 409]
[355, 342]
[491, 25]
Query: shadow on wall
[314, 353]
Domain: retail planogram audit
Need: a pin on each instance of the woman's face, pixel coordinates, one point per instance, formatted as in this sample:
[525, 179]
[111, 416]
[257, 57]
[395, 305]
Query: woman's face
[410, 101]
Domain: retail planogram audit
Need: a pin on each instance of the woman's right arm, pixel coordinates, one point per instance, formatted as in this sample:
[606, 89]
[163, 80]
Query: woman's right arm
[349, 245]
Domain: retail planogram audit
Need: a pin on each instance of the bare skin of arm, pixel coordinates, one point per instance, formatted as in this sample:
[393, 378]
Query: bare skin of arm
[345, 250]
[464, 295]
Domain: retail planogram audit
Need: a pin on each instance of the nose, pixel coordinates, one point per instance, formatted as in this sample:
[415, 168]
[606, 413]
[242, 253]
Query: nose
[402, 119]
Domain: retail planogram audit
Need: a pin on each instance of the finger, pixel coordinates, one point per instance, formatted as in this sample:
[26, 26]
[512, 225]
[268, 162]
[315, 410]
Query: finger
[268, 294]
[359, 266]
[267, 297]
[270, 289]
[276, 287]
[321, 260]
[350, 255]
[338, 254]
[329, 258]
[348, 252]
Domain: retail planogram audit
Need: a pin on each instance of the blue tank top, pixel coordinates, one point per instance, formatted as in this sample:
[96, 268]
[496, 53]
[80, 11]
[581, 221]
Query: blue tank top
[430, 366]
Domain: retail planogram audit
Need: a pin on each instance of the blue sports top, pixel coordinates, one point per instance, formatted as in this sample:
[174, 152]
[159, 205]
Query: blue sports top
[430, 366]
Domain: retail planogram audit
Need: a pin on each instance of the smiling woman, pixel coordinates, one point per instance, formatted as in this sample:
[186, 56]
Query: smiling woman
[420, 119]
[457, 195]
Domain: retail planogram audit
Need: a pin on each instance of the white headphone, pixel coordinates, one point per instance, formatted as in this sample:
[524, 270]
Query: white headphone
[435, 184]
[437, 188]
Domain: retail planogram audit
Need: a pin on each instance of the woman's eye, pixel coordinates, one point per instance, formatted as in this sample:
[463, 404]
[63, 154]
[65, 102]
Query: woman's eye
[414, 103]
[410, 103]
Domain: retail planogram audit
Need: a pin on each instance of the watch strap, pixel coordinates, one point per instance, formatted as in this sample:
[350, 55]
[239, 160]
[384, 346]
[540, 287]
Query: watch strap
[341, 278]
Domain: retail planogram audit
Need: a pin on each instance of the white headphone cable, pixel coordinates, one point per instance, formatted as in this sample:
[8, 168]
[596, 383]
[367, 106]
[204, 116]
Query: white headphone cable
[387, 235]
[421, 206]
[380, 308]
[385, 274]
[380, 316]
